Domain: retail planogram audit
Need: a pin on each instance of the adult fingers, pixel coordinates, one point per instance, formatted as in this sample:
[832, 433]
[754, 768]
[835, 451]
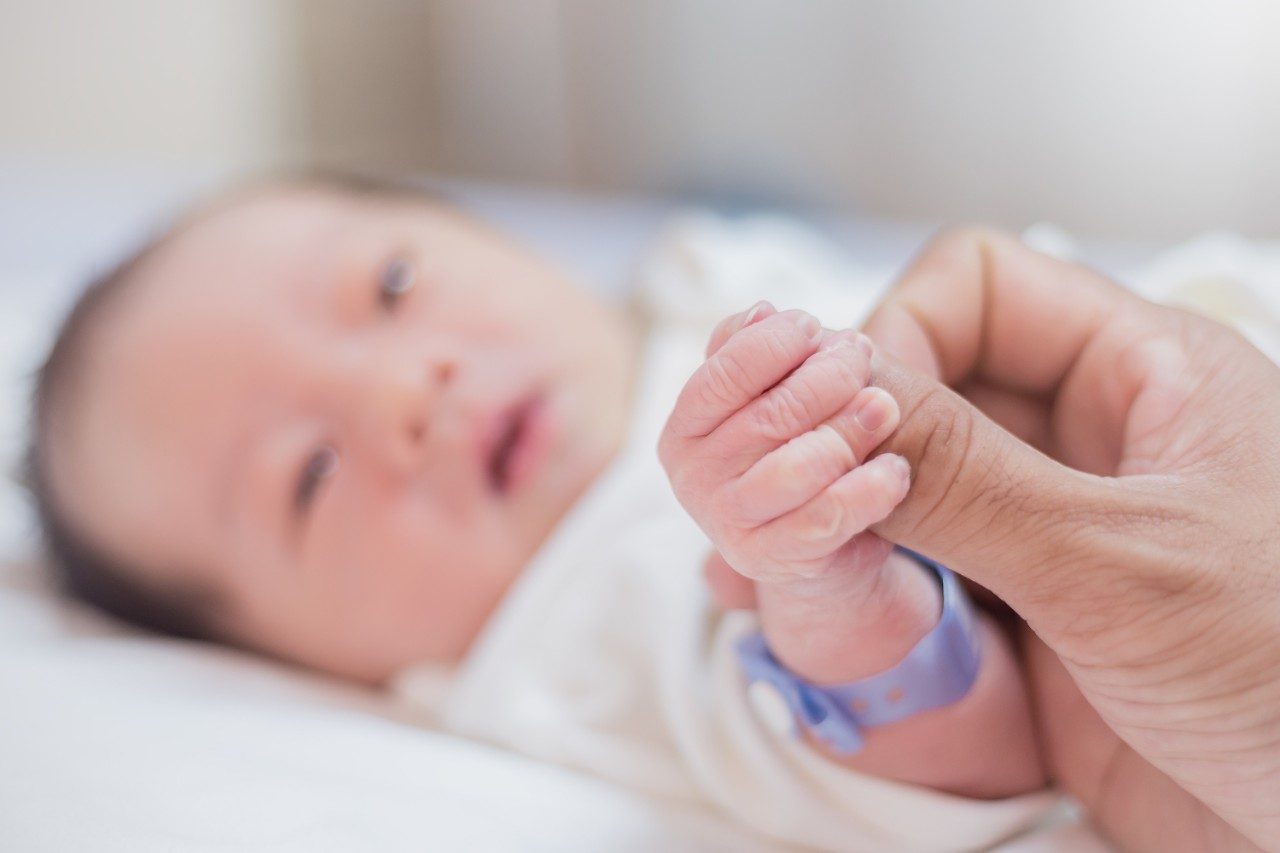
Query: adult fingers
[989, 505]
[977, 304]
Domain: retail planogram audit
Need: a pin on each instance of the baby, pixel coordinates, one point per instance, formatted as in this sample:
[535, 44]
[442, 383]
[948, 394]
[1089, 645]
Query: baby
[351, 428]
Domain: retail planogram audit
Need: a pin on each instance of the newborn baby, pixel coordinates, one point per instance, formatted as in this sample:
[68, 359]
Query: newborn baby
[353, 429]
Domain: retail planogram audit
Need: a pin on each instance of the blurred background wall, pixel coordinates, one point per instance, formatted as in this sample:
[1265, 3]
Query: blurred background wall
[137, 84]
[1141, 118]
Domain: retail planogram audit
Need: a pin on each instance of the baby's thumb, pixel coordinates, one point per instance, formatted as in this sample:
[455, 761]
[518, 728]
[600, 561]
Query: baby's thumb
[982, 502]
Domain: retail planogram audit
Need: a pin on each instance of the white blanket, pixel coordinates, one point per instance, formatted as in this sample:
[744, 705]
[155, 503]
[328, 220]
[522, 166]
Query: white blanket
[110, 742]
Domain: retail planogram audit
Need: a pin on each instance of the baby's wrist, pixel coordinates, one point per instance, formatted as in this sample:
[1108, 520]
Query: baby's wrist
[837, 708]
[829, 634]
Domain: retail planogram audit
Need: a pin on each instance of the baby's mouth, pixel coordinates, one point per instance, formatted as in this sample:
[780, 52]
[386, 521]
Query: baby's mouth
[510, 434]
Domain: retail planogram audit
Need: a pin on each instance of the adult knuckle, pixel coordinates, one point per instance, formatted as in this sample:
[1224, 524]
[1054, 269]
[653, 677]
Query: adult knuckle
[941, 455]
[947, 441]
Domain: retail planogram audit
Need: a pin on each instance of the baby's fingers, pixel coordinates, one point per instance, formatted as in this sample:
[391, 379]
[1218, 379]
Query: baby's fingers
[748, 364]
[734, 323]
[800, 469]
[812, 393]
[819, 528]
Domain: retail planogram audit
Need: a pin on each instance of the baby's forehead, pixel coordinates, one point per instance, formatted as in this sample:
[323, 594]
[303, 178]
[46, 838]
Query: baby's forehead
[265, 221]
[270, 232]
[233, 257]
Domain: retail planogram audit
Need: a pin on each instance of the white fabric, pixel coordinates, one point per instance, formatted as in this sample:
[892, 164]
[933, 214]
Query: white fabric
[123, 744]
[607, 657]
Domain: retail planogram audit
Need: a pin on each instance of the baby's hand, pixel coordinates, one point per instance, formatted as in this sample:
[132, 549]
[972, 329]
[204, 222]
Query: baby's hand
[766, 446]
[766, 449]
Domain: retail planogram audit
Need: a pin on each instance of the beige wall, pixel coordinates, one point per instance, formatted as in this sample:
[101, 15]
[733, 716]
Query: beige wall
[204, 84]
[1136, 118]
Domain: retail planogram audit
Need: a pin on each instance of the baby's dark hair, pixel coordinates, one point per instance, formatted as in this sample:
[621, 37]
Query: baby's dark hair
[82, 569]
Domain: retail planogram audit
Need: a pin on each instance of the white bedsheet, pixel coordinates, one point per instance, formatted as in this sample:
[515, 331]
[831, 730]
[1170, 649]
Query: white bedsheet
[110, 741]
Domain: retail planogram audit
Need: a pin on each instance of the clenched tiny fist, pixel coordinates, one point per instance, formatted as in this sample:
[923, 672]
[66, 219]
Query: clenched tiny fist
[767, 446]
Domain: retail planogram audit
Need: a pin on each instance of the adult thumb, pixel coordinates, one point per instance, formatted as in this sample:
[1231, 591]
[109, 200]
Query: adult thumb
[985, 503]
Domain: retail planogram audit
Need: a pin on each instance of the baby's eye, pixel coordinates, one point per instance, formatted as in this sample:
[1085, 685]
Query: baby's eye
[396, 280]
[319, 466]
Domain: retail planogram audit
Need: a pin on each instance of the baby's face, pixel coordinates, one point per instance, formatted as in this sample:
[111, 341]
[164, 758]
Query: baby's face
[358, 418]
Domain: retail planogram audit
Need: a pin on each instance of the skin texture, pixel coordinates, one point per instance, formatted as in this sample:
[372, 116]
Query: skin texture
[1112, 472]
[766, 448]
[263, 339]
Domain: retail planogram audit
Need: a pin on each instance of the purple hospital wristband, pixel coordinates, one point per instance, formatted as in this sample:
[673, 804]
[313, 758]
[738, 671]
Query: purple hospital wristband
[938, 671]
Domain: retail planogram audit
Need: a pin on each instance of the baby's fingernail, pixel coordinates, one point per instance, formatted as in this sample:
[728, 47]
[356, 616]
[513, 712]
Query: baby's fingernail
[837, 340]
[864, 345]
[809, 325]
[901, 466]
[757, 312]
[872, 413]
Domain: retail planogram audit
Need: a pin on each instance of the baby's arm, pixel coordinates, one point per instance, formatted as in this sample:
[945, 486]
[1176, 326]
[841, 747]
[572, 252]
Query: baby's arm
[766, 449]
[865, 620]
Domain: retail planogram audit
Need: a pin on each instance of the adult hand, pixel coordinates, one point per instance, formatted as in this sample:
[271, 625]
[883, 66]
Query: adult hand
[1120, 490]
[1111, 469]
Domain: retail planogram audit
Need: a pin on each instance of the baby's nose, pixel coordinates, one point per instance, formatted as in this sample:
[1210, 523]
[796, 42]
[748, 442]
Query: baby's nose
[404, 399]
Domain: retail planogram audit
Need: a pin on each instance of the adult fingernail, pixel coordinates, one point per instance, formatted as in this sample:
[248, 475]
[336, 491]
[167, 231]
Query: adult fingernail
[871, 413]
